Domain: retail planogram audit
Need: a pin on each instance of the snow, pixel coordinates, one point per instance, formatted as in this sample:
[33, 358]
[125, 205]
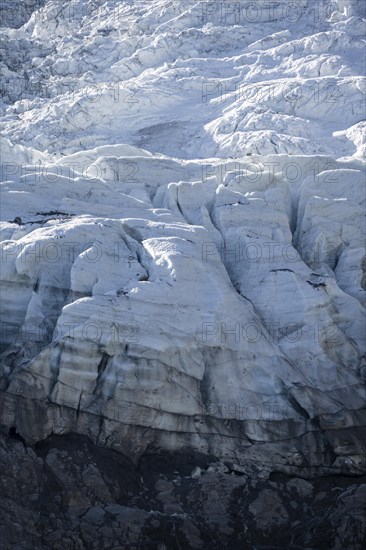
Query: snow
[182, 219]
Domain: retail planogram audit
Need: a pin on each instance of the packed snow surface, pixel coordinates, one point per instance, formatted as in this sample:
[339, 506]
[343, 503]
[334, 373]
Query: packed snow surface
[183, 259]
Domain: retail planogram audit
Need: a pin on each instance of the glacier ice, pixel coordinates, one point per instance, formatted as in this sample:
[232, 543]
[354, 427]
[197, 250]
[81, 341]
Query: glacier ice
[182, 237]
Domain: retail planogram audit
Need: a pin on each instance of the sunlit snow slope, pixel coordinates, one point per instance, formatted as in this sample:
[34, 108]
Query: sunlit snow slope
[183, 259]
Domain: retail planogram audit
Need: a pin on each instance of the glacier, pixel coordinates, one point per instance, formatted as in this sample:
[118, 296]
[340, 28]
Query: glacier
[216, 298]
[183, 238]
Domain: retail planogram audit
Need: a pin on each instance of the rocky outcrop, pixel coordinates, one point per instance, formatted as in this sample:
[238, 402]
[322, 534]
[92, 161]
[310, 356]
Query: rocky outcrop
[67, 494]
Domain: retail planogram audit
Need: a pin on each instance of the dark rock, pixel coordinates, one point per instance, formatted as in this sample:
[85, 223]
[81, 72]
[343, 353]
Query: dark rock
[66, 493]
